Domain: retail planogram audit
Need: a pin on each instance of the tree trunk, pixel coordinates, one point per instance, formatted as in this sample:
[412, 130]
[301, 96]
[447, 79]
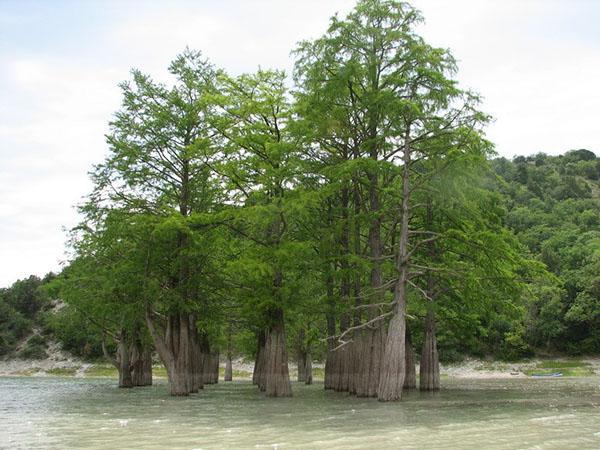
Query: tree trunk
[308, 369]
[344, 353]
[179, 381]
[356, 346]
[393, 370]
[264, 356]
[215, 368]
[301, 356]
[196, 358]
[277, 373]
[301, 366]
[259, 363]
[121, 361]
[341, 372]
[124, 367]
[379, 336]
[330, 314]
[146, 367]
[373, 338]
[364, 363]
[410, 379]
[228, 363]
[353, 364]
[331, 370]
[429, 372]
[141, 364]
[342, 359]
[228, 369]
[371, 353]
[174, 351]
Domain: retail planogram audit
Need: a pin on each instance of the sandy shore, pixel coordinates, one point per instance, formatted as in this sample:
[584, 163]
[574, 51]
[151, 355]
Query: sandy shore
[61, 362]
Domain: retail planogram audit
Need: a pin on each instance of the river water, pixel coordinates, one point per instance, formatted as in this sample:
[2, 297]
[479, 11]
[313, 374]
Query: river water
[63, 413]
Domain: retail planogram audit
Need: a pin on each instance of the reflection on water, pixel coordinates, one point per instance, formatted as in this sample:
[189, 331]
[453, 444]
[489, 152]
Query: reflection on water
[518, 413]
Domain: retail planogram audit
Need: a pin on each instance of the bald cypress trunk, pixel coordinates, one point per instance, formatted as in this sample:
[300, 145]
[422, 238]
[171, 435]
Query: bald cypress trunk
[206, 366]
[228, 369]
[308, 370]
[330, 362]
[393, 369]
[410, 379]
[125, 378]
[374, 337]
[259, 363]
[174, 351]
[345, 352]
[429, 373]
[121, 361]
[141, 364]
[146, 367]
[343, 360]
[331, 370]
[277, 383]
[301, 355]
[196, 360]
[210, 362]
[301, 366]
[262, 379]
[228, 363]
[216, 365]
[357, 344]
[179, 378]
[364, 363]
[379, 336]
[354, 364]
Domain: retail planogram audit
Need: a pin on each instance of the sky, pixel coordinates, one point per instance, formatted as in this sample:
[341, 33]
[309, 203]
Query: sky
[536, 63]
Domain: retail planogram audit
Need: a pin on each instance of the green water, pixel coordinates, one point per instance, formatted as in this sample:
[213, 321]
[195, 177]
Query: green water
[62, 413]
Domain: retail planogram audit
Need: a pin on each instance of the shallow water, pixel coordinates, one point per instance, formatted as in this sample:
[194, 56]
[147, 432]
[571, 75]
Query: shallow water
[66, 413]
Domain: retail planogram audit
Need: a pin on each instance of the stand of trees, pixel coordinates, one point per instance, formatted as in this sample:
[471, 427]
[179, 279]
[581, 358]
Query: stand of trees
[354, 216]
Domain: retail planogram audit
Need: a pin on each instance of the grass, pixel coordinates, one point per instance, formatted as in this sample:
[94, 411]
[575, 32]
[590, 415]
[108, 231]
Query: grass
[101, 371]
[571, 368]
[62, 371]
[28, 372]
[561, 364]
[318, 373]
[159, 372]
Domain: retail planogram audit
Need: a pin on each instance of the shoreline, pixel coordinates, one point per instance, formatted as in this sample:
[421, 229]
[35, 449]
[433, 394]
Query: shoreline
[468, 368]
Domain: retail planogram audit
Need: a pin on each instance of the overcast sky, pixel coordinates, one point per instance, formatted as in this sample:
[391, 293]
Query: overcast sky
[535, 62]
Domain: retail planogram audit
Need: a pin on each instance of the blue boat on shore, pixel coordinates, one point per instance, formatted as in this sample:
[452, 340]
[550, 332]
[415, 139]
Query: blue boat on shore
[547, 375]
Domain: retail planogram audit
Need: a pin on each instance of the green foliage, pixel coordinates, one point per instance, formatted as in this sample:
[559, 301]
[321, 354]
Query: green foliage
[62, 372]
[74, 332]
[554, 209]
[34, 349]
[21, 306]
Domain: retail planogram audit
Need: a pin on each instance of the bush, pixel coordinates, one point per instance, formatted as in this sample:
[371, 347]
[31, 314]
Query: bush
[74, 333]
[514, 346]
[35, 348]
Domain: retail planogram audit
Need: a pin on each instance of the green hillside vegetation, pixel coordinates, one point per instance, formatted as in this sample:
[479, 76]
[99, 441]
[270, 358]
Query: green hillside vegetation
[554, 210]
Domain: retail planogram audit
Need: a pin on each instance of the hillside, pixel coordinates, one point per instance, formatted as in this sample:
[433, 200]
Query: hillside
[553, 207]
